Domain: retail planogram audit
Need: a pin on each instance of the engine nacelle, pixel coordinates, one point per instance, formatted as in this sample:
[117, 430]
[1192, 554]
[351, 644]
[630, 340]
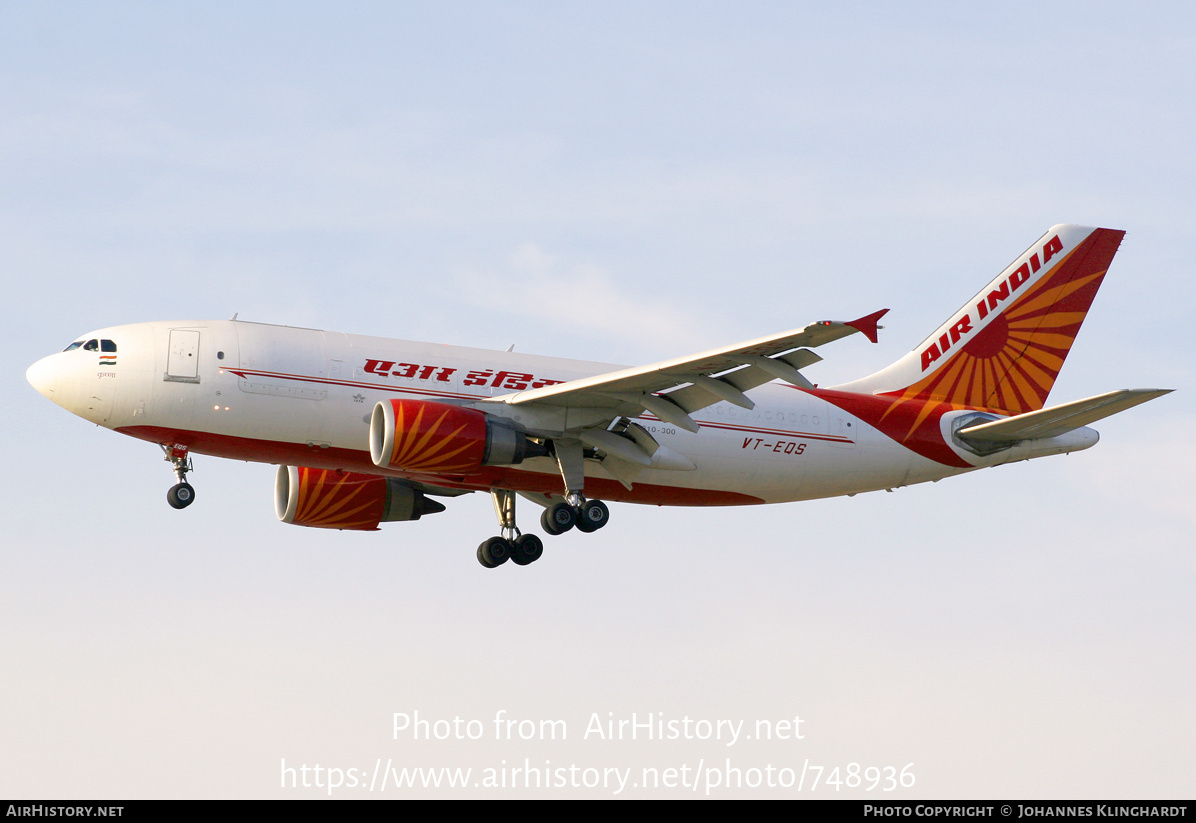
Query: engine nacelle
[329, 499]
[435, 438]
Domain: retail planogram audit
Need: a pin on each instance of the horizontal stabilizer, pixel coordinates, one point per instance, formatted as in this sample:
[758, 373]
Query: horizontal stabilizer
[1057, 420]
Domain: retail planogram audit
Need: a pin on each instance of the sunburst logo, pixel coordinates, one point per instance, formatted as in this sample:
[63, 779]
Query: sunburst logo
[339, 500]
[435, 437]
[1010, 364]
[1002, 353]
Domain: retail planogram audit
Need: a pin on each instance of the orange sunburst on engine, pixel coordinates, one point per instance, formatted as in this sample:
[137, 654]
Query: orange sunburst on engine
[437, 438]
[339, 500]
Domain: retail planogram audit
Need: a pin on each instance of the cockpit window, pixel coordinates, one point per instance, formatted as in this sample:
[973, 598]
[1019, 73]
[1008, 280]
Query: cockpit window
[107, 346]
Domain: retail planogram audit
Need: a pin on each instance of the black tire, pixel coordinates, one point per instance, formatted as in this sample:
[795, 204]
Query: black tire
[593, 516]
[497, 550]
[181, 495]
[528, 549]
[558, 518]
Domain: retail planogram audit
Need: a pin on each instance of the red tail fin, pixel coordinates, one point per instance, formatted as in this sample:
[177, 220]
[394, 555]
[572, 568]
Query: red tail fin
[1003, 350]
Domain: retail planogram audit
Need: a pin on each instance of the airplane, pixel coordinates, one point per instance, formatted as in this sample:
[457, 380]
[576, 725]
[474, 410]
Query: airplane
[367, 430]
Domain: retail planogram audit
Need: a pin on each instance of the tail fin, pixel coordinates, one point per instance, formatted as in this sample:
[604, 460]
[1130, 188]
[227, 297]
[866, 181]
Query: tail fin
[1003, 350]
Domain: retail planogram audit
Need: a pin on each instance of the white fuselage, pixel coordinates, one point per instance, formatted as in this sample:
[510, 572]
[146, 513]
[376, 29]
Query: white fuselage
[285, 395]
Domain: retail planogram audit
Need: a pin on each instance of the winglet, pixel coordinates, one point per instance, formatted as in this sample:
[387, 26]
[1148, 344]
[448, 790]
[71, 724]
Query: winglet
[868, 324]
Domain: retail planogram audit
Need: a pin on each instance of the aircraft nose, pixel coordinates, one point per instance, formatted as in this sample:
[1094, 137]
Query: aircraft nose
[43, 376]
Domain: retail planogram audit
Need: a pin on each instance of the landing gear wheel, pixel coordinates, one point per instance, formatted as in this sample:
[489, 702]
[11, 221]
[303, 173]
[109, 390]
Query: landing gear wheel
[494, 552]
[558, 518]
[527, 549]
[181, 495]
[592, 516]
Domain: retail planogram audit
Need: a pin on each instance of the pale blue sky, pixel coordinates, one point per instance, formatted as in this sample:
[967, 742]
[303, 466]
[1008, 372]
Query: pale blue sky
[624, 183]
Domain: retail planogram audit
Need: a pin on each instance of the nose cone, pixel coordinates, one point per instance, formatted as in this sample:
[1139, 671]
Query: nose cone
[43, 376]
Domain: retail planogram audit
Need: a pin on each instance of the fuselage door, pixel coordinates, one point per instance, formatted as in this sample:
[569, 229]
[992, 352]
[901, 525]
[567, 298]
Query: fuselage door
[182, 359]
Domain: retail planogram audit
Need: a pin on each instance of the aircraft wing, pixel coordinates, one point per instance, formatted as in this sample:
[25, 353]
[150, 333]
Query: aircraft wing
[672, 389]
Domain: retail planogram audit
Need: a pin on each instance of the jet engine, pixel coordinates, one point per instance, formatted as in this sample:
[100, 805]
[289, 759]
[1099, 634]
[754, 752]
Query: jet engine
[436, 438]
[330, 499]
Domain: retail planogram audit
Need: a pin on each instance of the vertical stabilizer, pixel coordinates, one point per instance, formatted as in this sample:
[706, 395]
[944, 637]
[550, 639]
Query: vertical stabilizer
[1003, 350]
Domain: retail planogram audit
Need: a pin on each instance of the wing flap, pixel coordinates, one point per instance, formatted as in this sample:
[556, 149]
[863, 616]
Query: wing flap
[1056, 420]
[688, 384]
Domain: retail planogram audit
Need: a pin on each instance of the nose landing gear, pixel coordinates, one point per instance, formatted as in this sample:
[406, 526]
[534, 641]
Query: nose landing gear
[182, 494]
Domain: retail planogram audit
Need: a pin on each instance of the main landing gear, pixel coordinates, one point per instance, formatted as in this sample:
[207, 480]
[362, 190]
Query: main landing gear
[575, 510]
[510, 545]
[587, 516]
[181, 494]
